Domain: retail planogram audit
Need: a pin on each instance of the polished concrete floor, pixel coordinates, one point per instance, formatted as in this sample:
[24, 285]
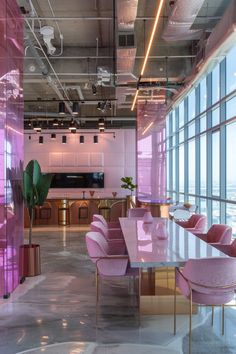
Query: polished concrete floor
[54, 313]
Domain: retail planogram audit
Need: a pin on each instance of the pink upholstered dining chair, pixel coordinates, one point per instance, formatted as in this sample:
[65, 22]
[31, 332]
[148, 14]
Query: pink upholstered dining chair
[109, 225]
[136, 212]
[206, 281]
[106, 264]
[217, 234]
[230, 250]
[196, 223]
[109, 234]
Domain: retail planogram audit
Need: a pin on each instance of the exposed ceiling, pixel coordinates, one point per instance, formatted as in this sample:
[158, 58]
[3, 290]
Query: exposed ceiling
[88, 56]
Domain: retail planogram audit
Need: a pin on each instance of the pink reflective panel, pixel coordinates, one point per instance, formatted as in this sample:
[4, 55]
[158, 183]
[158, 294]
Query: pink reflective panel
[11, 144]
[151, 151]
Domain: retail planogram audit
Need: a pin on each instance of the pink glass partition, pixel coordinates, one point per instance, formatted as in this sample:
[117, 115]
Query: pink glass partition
[11, 144]
[151, 151]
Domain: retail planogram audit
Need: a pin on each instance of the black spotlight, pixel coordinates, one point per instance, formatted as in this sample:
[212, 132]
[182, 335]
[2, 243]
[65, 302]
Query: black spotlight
[62, 108]
[81, 139]
[55, 122]
[64, 139]
[72, 126]
[94, 89]
[41, 140]
[75, 108]
[101, 122]
[95, 139]
[53, 136]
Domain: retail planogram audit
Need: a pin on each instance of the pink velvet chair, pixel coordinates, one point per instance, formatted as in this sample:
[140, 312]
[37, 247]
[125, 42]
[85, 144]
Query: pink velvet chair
[196, 223]
[109, 234]
[206, 281]
[230, 250]
[109, 225]
[107, 265]
[217, 234]
[136, 212]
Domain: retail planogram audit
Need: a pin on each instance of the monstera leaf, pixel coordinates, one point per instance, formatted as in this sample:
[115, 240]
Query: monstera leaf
[35, 189]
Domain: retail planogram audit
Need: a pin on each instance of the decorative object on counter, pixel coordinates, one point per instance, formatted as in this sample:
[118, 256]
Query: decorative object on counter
[91, 193]
[147, 218]
[161, 231]
[35, 190]
[114, 194]
[128, 184]
[83, 192]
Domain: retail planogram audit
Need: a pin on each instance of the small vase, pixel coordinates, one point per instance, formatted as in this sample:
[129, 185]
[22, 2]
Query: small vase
[161, 231]
[114, 194]
[147, 218]
[91, 193]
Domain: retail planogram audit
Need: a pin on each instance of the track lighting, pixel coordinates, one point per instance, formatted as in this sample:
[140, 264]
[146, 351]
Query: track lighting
[37, 127]
[81, 139]
[53, 136]
[62, 107]
[64, 138]
[75, 108]
[95, 139]
[72, 126]
[41, 140]
[55, 122]
[94, 89]
[101, 122]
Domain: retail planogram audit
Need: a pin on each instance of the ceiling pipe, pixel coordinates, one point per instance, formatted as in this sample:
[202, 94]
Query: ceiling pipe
[45, 116]
[44, 72]
[181, 19]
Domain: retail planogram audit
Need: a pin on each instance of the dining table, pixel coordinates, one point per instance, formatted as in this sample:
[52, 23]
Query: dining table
[156, 248]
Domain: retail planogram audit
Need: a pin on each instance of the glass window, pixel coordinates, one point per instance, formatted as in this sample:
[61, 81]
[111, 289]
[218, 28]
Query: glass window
[203, 123]
[230, 161]
[168, 179]
[191, 167]
[231, 217]
[181, 168]
[216, 84]
[191, 105]
[203, 207]
[231, 71]
[203, 95]
[203, 164]
[181, 135]
[173, 121]
[191, 130]
[215, 212]
[231, 108]
[216, 163]
[174, 140]
[215, 116]
[173, 169]
[181, 114]
[167, 125]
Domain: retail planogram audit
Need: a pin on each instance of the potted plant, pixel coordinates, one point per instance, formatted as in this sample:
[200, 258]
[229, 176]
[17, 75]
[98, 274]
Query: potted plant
[35, 190]
[128, 184]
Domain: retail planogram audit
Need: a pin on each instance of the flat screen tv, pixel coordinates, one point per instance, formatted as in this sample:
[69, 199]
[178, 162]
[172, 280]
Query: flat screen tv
[78, 180]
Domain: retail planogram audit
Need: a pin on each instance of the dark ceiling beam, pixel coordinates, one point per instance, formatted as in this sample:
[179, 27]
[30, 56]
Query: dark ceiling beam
[103, 18]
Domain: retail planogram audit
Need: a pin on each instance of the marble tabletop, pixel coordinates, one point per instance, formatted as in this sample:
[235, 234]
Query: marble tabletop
[147, 246]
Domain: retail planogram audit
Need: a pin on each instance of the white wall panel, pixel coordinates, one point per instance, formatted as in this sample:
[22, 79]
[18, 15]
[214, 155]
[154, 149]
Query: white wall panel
[115, 156]
[83, 159]
[96, 160]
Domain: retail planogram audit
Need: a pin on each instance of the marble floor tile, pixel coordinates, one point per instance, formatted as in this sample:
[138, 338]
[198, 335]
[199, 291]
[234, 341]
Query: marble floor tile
[55, 311]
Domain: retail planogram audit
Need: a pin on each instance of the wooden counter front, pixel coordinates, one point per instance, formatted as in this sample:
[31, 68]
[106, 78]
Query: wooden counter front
[65, 211]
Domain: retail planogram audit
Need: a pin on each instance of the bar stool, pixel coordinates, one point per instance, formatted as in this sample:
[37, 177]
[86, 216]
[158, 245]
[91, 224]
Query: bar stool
[104, 209]
[83, 211]
[64, 213]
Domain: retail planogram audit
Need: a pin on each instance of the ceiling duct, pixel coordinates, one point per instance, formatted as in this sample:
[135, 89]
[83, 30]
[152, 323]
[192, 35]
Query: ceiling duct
[126, 46]
[181, 19]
